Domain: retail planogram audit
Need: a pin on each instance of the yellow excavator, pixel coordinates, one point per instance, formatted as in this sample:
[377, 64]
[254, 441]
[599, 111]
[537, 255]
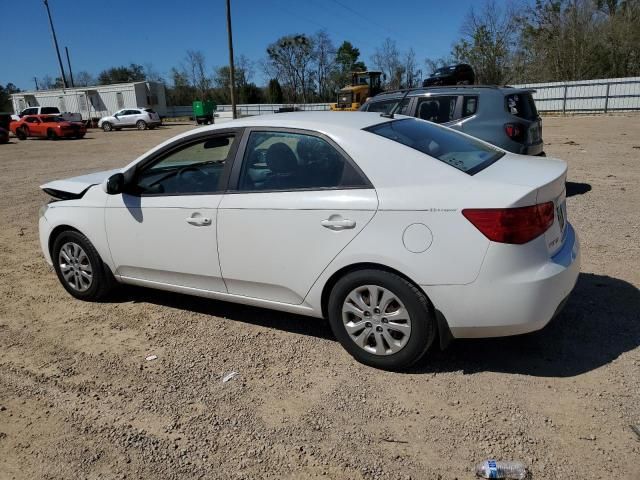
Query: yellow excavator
[363, 85]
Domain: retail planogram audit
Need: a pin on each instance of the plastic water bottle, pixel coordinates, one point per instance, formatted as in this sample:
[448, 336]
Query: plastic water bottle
[501, 469]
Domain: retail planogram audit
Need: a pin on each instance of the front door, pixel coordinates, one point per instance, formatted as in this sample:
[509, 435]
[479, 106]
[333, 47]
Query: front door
[164, 229]
[298, 201]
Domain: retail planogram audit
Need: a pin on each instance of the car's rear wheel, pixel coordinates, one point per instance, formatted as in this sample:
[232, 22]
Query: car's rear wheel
[107, 127]
[22, 133]
[79, 267]
[52, 135]
[141, 125]
[381, 319]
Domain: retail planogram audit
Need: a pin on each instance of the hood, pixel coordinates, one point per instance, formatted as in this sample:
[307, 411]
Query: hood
[76, 186]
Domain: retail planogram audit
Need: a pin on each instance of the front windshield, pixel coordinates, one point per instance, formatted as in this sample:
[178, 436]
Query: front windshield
[448, 146]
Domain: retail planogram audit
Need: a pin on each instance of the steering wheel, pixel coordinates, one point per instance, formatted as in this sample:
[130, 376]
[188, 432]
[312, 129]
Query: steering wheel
[192, 174]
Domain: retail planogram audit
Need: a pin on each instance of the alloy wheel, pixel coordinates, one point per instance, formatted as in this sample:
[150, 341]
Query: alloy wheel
[75, 266]
[376, 320]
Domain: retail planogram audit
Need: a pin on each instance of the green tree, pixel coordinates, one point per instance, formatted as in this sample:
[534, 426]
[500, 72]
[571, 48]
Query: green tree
[5, 97]
[347, 61]
[122, 74]
[274, 91]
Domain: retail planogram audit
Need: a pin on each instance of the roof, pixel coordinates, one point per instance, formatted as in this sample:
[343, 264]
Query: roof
[76, 89]
[412, 92]
[318, 120]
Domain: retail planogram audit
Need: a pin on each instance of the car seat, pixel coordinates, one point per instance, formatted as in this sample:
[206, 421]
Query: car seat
[283, 166]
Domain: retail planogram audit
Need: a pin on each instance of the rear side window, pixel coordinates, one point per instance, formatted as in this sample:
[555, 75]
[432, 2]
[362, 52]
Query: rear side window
[293, 161]
[448, 146]
[385, 106]
[469, 106]
[440, 109]
[149, 110]
[49, 110]
[521, 105]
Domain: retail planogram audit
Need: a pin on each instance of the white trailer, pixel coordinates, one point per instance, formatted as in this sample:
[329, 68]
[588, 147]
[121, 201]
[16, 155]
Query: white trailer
[96, 102]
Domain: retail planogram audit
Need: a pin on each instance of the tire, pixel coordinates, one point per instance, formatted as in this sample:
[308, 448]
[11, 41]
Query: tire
[51, 135]
[107, 127]
[72, 254]
[411, 338]
[141, 125]
[21, 133]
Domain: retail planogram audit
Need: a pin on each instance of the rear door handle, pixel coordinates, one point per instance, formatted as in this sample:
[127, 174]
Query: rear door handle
[338, 223]
[199, 221]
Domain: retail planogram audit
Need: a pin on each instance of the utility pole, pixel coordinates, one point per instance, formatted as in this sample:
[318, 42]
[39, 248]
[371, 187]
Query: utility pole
[69, 63]
[232, 70]
[35, 79]
[55, 44]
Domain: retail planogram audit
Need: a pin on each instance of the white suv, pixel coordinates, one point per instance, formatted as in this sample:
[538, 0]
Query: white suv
[140, 118]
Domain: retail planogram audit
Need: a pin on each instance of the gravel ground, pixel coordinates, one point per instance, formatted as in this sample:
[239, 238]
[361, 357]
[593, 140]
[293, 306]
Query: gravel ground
[79, 400]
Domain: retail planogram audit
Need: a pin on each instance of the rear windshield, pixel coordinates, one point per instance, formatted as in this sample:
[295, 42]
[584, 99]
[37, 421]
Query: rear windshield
[521, 105]
[48, 110]
[448, 146]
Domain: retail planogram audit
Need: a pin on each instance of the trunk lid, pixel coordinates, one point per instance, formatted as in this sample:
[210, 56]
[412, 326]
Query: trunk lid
[546, 177]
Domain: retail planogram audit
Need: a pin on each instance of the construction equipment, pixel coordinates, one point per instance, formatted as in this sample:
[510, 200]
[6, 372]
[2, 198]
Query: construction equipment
[363, 85]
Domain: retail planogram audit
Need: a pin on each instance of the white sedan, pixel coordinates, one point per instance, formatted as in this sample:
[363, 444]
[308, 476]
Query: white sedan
[397, 230]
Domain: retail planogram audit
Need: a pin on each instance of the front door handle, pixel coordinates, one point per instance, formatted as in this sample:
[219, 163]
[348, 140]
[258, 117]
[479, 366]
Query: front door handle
[199, 221]
[336, 222]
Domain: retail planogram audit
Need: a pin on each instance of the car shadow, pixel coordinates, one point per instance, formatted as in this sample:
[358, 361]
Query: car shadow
[577, 188]
[598, 324]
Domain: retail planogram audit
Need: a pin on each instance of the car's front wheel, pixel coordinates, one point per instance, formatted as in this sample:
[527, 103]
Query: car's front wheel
[107, 127]
[22, 133]
[79, 267]
[381, 319]
[141, 125]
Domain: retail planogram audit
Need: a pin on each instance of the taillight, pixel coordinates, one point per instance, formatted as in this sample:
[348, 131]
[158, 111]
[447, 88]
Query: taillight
[512, 225]
[515, 131]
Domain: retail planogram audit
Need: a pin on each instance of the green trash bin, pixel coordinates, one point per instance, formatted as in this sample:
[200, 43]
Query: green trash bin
[203, 111]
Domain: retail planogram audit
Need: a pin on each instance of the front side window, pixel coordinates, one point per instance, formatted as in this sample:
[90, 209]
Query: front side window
[439, 109]
[385, 106]
[293, 161]
[194, 169]
[446, 145]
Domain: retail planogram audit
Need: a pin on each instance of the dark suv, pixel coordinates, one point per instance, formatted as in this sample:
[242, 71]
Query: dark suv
[504, 116]
[461, 74]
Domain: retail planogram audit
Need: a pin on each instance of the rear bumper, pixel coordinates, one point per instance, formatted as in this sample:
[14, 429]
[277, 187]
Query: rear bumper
[502, 302]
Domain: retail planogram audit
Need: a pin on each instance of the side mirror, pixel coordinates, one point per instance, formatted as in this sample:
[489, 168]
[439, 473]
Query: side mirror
[115, 184]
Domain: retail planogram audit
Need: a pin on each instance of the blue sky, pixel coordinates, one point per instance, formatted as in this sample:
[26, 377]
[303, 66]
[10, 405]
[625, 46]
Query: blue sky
[116, 32]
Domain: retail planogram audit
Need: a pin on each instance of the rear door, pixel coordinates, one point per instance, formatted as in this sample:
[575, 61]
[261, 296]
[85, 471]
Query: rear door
[296, 201]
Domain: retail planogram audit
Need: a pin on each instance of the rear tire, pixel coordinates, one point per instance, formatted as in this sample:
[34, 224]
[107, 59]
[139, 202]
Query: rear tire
[52, 135]
[79, 267]
[107, 127]
[21, 133]
[372, 336]
[141, 125]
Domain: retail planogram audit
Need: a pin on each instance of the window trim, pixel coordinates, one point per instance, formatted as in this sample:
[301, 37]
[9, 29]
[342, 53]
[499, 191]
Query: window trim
[236, 170]
[163, 153]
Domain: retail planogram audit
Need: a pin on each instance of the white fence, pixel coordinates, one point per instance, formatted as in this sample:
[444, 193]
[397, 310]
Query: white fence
[251, 109]
[603, 95]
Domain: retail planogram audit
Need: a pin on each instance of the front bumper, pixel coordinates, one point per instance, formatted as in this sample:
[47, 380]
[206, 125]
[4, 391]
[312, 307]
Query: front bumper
[513, 294]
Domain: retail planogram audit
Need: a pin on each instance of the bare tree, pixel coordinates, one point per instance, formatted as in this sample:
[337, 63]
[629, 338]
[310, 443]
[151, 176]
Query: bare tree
[411, 72]
[195, 66]
[84, 79]
[387, 59]
[325, 60]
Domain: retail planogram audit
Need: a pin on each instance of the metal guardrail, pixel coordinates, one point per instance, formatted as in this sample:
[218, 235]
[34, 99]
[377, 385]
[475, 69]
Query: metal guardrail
[588, 96]
[250, 109]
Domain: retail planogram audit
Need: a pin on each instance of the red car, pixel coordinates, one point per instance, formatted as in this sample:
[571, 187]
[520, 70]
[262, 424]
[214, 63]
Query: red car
[49, 126]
